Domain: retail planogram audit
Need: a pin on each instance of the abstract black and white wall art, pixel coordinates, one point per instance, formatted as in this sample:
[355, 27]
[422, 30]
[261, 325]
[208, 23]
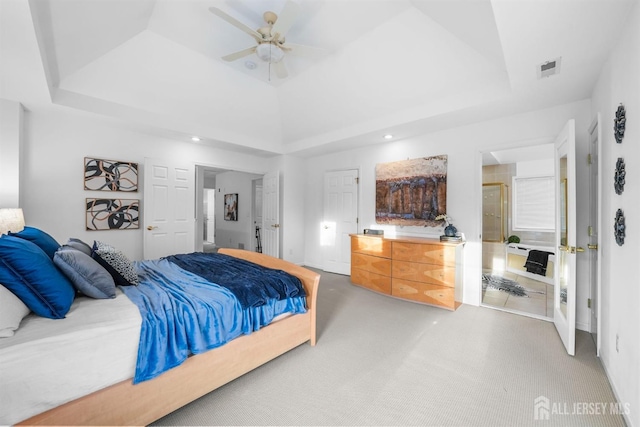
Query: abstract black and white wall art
[110, 175]
[112, 214]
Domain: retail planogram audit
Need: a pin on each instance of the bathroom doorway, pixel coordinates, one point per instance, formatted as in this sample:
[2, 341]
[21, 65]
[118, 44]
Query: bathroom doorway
[517, 244]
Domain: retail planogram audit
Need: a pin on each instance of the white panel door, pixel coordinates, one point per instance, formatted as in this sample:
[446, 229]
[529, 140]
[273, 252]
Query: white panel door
[340, 219]
[271, 214]
[169, 208]
[564, 307]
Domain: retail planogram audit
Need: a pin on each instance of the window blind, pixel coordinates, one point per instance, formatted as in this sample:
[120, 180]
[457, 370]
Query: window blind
[534, 203]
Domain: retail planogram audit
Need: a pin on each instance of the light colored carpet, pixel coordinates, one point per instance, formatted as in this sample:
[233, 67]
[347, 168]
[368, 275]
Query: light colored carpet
[381, 361]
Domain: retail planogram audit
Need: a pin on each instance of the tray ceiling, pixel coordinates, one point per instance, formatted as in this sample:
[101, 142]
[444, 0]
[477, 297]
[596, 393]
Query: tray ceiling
[390, 66]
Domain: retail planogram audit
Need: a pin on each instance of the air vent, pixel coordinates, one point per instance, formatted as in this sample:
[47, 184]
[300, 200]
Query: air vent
[549, 68]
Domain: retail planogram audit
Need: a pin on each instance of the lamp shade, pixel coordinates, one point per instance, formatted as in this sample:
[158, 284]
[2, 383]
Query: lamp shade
[11, 220]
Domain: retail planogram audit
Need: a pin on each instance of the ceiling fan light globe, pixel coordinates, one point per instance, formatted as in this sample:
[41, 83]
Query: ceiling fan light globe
[269, 52]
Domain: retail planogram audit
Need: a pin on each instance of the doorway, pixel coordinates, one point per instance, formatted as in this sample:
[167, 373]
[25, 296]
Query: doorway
[510, 235]
[209, 219]
[214, 229]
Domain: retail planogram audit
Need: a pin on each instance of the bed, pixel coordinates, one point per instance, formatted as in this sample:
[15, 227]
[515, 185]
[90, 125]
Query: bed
[131, 402]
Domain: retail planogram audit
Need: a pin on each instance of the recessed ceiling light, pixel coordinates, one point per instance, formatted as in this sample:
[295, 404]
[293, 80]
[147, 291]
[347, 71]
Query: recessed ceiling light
[250, 65]
[388, 136]
[195, 139]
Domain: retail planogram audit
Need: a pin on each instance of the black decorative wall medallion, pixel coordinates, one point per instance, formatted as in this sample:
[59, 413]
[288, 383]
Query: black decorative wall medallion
[619, 124]
[619, 227]
[618, 178]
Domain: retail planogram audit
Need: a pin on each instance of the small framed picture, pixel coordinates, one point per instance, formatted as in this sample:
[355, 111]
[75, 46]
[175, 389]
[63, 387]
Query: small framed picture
[231, 207]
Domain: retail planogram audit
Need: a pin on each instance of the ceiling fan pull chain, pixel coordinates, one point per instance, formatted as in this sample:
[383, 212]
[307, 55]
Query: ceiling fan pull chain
[270, 62]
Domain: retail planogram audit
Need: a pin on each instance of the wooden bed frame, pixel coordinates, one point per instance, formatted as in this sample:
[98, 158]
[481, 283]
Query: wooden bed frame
[143, 403]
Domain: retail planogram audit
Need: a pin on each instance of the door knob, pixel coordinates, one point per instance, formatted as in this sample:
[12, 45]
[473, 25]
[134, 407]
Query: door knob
[151, 227]
[276, 226]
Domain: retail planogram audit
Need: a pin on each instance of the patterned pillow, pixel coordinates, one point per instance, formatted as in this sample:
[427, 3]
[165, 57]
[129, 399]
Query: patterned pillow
[116, 263]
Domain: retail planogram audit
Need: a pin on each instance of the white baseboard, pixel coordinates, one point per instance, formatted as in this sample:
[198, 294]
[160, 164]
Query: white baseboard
[627, 420]
[582, 326]
[313, 265]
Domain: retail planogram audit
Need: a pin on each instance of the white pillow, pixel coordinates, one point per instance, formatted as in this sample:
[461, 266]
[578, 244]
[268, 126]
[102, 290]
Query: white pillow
[12, 311]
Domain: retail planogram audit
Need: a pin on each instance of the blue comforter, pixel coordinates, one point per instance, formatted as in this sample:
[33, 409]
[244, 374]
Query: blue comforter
[183, 313]
[251, 283]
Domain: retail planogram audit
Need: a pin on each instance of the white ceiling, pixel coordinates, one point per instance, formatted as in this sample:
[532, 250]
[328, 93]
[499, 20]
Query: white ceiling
[404, 67]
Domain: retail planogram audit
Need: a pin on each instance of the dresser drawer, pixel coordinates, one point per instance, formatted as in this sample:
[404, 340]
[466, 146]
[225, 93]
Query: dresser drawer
[369, 280]
[371, 263]
[371, 245]
[424, 253]
[424, 273]
[431, 294]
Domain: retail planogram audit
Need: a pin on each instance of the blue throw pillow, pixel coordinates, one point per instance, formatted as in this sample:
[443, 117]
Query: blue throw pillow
[47, 243]
[29, 273]
[86, 275]
[79, 245]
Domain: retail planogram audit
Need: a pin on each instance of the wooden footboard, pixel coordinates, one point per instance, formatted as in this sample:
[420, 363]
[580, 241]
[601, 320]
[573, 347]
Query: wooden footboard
[143, 403]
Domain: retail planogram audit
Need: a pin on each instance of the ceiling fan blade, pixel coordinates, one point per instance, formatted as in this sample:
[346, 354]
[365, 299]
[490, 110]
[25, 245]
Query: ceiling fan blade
[233, 21]
[280, 69]
[240, 54]
[301, 50]
[285, 20]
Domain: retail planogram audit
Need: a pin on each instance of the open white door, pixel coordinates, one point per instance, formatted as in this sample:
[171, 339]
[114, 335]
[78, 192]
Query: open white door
[271, 214]
[595, 267]
[340, 219]
[169, 208]
[564, 307]
[210, 218]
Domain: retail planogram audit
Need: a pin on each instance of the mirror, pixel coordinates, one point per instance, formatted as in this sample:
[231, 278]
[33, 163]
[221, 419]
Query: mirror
[494, 215]
[563, 212]
[563, 250]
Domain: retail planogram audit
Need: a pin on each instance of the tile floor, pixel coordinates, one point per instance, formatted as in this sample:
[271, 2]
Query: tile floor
[539, 302]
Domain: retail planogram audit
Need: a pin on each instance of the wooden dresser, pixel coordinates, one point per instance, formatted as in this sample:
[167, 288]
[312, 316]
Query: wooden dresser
[422, 270]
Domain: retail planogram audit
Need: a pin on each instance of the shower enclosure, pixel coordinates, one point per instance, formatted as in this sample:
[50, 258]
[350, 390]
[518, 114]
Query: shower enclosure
[494, 212]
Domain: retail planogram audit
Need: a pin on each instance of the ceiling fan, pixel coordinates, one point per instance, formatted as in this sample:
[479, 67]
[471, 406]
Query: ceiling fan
[271, 46]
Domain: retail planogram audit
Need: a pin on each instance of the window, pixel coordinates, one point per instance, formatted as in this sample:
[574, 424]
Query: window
[533, 203]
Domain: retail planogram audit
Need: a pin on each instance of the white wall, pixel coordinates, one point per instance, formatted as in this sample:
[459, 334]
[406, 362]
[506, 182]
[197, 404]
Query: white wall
[11, 116]
[292, 210]
[55, 145]
[543, 167]
[464, 180]
[619, 82]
